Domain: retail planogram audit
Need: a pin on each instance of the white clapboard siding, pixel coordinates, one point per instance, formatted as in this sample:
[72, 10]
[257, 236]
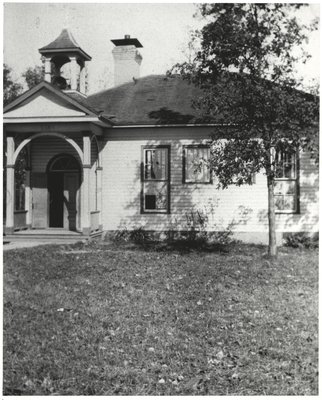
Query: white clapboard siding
[244, 208]
[43, 149]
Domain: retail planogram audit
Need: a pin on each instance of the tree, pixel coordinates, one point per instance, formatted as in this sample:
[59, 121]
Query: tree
[11, 89]
[34, 76]
[245, 66]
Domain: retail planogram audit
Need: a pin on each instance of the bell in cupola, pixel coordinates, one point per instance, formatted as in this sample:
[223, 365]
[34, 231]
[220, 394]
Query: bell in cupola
[65, 63]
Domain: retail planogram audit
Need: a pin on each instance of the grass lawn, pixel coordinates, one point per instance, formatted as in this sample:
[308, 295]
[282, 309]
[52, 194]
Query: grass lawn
[99, 319]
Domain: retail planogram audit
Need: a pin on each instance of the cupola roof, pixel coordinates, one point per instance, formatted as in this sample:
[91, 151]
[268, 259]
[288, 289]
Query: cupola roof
[64, 43]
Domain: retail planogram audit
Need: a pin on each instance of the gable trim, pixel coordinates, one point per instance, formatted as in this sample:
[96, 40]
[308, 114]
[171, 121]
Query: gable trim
[12, 120]
[51, 88]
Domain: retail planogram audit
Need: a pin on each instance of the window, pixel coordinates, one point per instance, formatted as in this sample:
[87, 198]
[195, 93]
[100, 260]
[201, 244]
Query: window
[195, 168]
[286, 183]
[155, 179]
[20, 180]
[19, 196]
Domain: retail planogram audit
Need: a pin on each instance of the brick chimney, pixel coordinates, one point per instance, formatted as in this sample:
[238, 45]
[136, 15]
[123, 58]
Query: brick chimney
[127, 60]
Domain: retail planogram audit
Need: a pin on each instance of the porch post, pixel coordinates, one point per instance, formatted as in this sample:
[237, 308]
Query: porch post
[99, 195]
[10, 186]
[28, 199]
[85, 189]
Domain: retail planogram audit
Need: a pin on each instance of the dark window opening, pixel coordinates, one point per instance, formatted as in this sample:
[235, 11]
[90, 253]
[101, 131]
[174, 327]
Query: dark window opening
[155, 180]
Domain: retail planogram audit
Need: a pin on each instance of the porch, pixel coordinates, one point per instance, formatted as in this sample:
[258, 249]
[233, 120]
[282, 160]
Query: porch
[53, 170]
[60, 194]
[23, 230]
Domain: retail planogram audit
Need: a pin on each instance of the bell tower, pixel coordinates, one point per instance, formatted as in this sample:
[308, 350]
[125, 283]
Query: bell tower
[65, 63]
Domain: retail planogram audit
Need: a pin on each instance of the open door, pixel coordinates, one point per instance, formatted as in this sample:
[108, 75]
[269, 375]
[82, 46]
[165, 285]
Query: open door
[63, 183]
[39, 200]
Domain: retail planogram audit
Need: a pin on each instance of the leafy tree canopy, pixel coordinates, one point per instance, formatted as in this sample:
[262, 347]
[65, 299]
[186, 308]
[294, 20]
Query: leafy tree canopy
[34, 76]
[245, 65]
[11, 89]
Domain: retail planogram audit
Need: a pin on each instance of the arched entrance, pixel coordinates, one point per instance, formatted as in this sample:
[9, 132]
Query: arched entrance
[63, 177]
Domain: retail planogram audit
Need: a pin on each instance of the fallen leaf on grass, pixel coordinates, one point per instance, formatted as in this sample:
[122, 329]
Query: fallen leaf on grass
[220, 355]
[263, 351]
[29, 384]
[47, 384]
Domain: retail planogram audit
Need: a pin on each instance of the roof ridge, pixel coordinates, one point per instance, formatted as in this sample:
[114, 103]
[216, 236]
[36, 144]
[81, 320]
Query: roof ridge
[130, 83]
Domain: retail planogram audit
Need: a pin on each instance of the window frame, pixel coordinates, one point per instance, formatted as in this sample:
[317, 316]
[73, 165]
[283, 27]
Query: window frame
[184, 164]
[143, 180]
[20, 197]
[22, 185]
[296, 179]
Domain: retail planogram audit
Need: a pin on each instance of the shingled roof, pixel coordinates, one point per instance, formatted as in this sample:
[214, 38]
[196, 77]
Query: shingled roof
[152, 100]
[65, 42]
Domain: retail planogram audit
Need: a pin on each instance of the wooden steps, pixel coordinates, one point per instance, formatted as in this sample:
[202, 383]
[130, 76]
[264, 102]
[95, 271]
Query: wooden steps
[47, 235]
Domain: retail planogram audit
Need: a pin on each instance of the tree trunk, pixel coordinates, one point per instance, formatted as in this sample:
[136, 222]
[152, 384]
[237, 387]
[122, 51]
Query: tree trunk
[272, 247]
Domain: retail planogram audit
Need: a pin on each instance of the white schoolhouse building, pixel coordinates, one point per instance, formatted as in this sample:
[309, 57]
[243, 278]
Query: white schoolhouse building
[125, 158]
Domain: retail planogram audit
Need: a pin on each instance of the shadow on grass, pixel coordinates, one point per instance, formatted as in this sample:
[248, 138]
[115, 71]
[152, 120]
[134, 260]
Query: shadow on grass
[183, 246]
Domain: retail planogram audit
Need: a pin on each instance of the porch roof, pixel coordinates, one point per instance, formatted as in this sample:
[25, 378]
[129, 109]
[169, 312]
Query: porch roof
[53, 95]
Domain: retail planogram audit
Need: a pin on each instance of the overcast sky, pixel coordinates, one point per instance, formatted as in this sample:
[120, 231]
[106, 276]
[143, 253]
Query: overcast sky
[163, 30]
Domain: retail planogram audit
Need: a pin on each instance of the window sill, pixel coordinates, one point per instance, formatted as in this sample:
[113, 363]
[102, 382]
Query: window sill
[287, 212]
[197, 183]
[154, 212]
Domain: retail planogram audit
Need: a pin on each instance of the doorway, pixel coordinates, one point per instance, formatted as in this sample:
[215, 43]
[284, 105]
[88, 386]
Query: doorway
[63, 188]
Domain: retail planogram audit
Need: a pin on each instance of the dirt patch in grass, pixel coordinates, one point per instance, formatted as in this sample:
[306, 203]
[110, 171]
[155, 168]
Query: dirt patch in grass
[126, 321]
